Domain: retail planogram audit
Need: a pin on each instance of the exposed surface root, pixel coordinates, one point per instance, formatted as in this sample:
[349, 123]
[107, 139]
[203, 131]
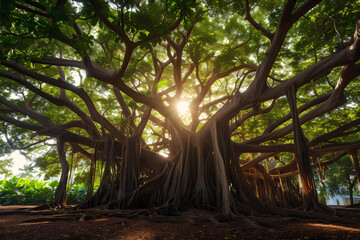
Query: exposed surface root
[252, 224]
[279, 217]
[338, 218]
[60, 217]
[51, 206]
[357, 205]
[192, 216]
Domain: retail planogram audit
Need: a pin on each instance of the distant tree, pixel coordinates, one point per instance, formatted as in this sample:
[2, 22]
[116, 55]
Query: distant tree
[341, 179]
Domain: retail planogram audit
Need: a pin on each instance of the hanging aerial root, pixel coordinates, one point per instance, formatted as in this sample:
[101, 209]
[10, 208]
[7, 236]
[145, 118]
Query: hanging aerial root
[144, 195]
[225, 212]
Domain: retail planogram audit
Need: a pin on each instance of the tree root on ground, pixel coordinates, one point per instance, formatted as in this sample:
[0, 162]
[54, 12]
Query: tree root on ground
[190, 216]
[338, 216]
[61, 217]
[356, 205]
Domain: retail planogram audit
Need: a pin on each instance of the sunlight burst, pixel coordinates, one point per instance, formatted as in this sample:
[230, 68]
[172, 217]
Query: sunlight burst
[182, 107]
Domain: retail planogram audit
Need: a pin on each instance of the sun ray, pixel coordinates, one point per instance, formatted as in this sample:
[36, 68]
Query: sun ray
[182, 107]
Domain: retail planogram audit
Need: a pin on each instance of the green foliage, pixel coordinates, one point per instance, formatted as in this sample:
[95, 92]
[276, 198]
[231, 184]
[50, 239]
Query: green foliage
[27, 191]
[24, 191]
[5, 167]
[339, 175]
[76, 193]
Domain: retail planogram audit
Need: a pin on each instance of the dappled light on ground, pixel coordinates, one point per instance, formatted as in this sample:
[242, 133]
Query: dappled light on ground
[333, 227]
[141, 234]
[35, 223]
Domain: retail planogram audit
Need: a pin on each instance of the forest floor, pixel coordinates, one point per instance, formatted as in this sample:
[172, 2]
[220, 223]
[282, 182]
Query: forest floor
[20, 226]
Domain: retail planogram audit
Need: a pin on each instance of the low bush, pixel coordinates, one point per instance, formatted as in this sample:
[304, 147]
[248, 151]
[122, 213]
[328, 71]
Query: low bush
[30, 191]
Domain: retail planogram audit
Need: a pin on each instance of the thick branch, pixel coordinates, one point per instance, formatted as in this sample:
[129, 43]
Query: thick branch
[115, 28]
[26, 111]
[301, 109]
[335, 133]
[21, 124]
[254, 23]
[56, 101]
[336, 99]
[95, 115]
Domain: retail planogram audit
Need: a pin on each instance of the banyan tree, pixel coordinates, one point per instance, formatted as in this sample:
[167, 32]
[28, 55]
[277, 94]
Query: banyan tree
[228, 106]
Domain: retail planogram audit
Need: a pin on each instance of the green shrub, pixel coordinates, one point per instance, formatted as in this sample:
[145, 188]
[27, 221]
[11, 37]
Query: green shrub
[27, 191]
[76, 193]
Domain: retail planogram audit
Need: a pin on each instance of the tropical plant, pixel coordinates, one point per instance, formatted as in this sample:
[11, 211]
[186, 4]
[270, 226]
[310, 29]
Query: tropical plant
[5, 167]
[27, 191]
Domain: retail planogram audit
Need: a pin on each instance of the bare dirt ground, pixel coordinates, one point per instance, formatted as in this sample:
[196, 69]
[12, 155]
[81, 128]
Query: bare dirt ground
[19, 226]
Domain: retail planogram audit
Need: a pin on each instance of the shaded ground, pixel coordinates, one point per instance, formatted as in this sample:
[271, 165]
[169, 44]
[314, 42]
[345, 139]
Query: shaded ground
[13, 227]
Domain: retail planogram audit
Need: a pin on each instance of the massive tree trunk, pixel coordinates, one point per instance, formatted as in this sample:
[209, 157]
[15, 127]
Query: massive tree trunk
[204, 173]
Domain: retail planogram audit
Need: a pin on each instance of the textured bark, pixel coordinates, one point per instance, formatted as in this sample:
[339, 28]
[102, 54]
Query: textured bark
[355, 162]
[351, 186]
[60, 193]
[302, 156]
